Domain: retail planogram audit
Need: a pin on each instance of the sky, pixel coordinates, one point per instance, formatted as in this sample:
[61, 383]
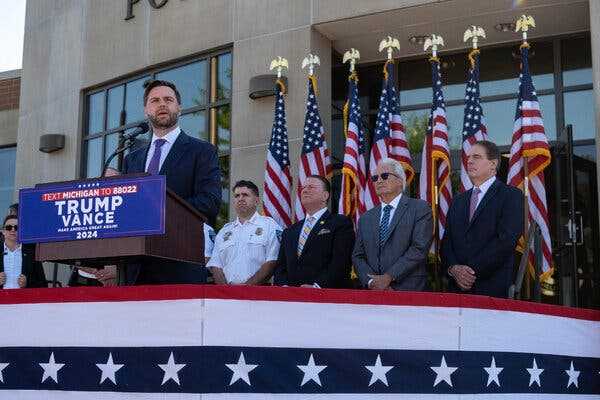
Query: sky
[11, 34]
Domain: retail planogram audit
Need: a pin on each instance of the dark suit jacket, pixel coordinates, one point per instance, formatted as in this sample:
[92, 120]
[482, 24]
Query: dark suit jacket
[403, 255]
[192, 172]
[325, 259]
[33, 270]
[487, 243]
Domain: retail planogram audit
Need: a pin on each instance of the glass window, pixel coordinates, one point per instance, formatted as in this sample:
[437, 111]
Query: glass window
[224, 73]
[8, 156]
[115, 106]
[134, 107]
[223, 216]
[194, 124]
[111, 143]
[499, 70]
[122, 105]
[224, 128]
[94, 157]
[579, 112]
[577, 61]
[95, 113]
[191, 81]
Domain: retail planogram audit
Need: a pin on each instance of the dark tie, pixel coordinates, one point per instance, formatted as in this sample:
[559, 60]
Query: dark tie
[384, 227]
[154, 165]
[474, 198]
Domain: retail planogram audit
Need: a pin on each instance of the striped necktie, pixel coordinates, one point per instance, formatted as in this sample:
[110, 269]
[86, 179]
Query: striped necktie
[304, 234]
[384, 226]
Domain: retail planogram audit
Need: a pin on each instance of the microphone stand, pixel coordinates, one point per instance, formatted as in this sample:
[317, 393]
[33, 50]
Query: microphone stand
[125, 145]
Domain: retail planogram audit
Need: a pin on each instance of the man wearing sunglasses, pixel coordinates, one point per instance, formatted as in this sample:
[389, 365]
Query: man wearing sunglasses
[482, 228]
[393, 239]
[18, 268]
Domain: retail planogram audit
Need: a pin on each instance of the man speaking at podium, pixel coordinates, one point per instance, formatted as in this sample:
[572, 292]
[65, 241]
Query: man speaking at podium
[191, 169]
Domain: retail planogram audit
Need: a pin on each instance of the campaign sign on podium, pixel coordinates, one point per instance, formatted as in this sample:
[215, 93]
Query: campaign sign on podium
[93, 209]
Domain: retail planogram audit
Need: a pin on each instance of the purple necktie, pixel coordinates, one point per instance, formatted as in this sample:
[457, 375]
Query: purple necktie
[474, 198]
[153, 167]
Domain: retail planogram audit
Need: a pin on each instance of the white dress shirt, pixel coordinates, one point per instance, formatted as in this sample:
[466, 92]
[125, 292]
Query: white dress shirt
[484, 188]
[13, 266]
[166, 147]
[242, 248]
[209, 240]
[316, 216]
[394, 204]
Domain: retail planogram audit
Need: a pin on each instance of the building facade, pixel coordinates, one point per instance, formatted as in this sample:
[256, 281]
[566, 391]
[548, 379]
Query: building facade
[85, 61]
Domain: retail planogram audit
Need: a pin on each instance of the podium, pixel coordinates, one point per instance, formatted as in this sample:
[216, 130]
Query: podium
[183, 238]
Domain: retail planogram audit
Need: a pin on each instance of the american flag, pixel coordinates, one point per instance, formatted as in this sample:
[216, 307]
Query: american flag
[530, 146]
[314, 159]
[389, 140]
[474, 128]
[435, 159]
[277, 199]
[354, 172]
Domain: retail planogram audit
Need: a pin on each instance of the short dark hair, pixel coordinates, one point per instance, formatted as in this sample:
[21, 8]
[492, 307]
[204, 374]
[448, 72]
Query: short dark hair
[151, 84]
[324, 181]
[13, 209]
[247, 184]
[491, 150]
[9, 216]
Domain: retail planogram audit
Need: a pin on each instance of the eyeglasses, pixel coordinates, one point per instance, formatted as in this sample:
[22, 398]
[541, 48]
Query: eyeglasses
[384, 176]
[11, 227]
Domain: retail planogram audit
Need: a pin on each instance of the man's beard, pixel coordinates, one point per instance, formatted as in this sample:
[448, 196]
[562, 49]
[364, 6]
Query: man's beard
[168, 123]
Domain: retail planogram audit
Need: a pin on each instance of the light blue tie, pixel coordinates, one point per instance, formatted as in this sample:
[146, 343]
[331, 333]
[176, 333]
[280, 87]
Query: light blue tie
[304, 234]
[384, 227]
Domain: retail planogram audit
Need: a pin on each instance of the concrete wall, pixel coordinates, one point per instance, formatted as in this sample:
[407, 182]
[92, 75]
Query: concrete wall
[9, 125]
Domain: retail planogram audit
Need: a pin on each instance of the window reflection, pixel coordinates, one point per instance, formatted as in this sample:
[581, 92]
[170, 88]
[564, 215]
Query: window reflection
[224, 128]
[94, 157]
[115, 106]
[134, 95]
[576, 61]
[223, 216]
[8, 157]
[191, 81]
[224, 73]
[111, 144]
[194, 124]
[579, 112]
[96, 113]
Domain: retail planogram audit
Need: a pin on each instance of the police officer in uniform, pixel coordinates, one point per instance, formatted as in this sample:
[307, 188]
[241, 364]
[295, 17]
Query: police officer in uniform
[245, 250]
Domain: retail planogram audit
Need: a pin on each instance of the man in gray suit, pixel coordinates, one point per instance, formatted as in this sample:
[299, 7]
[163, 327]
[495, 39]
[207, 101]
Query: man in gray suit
[393, 239]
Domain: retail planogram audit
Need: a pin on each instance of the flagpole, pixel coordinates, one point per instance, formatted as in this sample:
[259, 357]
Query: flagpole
[434, 41]
[436, 238]
[523, 23]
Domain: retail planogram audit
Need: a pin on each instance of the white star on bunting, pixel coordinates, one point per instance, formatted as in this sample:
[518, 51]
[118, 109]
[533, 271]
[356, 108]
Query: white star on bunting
[51, 369]
[534, 374]
[109, 369]
[241, 370]
[443, 373]
[171, 370]
[493, 373]
[311, 371]
[573, 376]
[2, 366]
[378, 371]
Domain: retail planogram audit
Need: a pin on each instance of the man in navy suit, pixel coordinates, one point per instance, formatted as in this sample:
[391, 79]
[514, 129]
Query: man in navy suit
[482, 229]
[316, 251]
[191, 168]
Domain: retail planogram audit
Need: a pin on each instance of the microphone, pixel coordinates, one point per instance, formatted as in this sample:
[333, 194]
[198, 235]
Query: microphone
[139, 130]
